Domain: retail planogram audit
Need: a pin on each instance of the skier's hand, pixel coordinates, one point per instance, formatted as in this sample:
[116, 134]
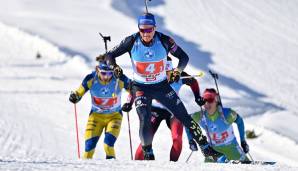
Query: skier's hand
[118, 72]
[126, 107]
[200, 101]
[100, 57]
[245, 146]
[175, 75]
[74, 98]
[193, 145]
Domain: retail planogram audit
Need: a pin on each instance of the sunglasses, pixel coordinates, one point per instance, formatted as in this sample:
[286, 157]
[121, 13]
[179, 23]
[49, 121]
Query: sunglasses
[146, 30]
[106, 73]
[209, 100]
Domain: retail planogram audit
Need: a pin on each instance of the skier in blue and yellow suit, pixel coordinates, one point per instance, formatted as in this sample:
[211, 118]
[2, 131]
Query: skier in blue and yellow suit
[105, 113]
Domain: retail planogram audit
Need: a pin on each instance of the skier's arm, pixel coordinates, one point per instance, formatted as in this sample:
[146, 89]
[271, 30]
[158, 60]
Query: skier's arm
[193, 83]
[125, 82]
[124, 46]
[176, 51]
[241, 129]
[234, 117]
[86, 84]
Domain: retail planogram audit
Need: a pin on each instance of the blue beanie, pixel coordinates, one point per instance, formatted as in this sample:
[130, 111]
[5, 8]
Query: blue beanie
[146, 19]
[103, 66]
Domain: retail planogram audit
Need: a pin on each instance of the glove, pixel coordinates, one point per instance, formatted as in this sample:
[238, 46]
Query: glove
[118, 72]
[126, 107]
[100, 58]
[245, 146]
[175, 75]
[193, 145]
[210, 153]
[74, 98]
[200, 101]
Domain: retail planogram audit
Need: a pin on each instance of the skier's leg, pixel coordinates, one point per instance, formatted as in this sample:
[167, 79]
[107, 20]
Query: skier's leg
[111, 134]
[177, 131]
[93, 131]
[155, 122]
[232, 152]
[143, 107]
[139, 153]
[158, 115]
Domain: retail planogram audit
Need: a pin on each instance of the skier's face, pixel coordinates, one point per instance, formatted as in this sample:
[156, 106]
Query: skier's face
[147, 32]
[105, 76]
[210, 105]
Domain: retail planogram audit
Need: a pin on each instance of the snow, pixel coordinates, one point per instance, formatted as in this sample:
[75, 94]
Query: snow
[252, 45]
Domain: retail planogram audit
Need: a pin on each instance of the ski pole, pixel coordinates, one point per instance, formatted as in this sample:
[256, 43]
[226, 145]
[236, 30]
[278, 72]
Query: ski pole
[189, 157]
[105, 39]
[215, 77]
[129, 136]
[250, 157]
[78, 141]
[146, 5]
[199, 74]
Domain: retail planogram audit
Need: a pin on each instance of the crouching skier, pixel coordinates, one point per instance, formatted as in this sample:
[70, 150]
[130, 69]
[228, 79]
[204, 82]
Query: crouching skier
[148, 51]
[105, 113]
[217, 123]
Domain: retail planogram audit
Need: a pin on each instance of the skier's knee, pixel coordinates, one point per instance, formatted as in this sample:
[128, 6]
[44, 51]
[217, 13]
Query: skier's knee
[90, 144]
[110, 139]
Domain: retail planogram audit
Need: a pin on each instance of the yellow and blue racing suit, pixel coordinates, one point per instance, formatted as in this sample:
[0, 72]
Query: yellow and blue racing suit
[105, 113]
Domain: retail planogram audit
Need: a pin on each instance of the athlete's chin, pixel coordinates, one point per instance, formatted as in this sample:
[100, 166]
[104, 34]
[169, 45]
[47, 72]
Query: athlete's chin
[147, 39]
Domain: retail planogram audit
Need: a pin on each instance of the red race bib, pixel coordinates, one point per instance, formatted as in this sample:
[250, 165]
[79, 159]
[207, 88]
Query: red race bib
[150, 68]
[105, 102]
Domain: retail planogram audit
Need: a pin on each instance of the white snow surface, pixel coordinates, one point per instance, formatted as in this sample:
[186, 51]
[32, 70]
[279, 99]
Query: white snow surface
[252, 45]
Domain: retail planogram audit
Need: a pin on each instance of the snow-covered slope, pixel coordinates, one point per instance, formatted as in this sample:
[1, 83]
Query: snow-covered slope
[251, 44]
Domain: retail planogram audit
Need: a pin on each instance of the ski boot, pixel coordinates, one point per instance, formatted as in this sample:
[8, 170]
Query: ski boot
[148, 152]
[206, 149]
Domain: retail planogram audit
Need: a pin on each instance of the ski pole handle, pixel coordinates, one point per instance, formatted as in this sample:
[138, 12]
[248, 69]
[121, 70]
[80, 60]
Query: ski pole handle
[200, 74]
[214, 75]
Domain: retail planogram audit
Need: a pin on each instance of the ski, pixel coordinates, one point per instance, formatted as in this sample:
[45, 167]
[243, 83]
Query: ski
[252, 162]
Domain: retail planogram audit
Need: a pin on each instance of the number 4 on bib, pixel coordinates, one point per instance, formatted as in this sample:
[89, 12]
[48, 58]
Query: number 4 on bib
[149, 68]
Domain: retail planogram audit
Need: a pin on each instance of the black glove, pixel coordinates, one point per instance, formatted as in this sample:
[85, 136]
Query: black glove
[210, 153]
[193, 145]
[200, 101]
[74, 98]
[245, 146]
[118, 72]
[126, 107]
[100, 58]
[175, 76]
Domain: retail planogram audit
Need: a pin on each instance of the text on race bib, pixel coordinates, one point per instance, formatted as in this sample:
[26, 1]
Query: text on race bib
[105, 102]
[149, 68]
